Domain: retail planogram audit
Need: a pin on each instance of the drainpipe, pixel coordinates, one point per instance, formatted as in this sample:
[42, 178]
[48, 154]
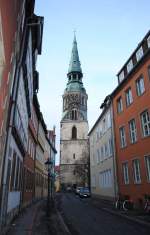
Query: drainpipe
[116, 189]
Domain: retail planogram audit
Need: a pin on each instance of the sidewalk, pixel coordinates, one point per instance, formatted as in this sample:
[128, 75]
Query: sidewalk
[33, 221]
[135, 216]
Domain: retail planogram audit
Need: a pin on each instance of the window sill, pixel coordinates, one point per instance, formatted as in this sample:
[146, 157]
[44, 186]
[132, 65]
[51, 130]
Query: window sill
[137, 183]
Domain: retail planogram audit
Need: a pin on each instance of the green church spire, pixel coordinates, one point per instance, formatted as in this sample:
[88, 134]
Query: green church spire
[74, 65]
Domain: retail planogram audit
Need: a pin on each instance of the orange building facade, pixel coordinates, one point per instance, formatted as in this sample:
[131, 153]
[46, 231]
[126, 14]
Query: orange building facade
[131, 105]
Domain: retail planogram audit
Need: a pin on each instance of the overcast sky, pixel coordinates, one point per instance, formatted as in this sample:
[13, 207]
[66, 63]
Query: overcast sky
[107, 32]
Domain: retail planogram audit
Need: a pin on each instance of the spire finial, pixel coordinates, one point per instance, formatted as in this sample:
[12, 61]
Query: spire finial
[74, 32]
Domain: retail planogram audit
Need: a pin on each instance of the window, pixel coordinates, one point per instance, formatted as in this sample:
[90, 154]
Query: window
[147, 162]
[148, 42]
[125, 173]
[105, 179]
[145, 121]
[121, 76]
[110, 144]
[119, 105]
[129, 98]
[130, 66]
[74, 114]
[140, 86]
[74, 156]
[106, 150]
[148, 70]
[12, 180]
[98, 156]
[122, 137]
[74, 76]
[74, 133]
[104, 125]
[136, 171]
[139, 53]
[102, 153]
[133, 133]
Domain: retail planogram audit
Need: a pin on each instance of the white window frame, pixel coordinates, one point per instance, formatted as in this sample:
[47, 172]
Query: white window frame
[139, 54]
[136, 171]
[140, 87]
[122, 137]
[110, 144]
[148, 41]
[119, 105]
[147, 164]
[145, 121]
[129, 97]
[121, 76]
[98, 156]
[125, 170]
[130, 66]
[105, 179]
[106, 150]
[133, 131]
[102, 153]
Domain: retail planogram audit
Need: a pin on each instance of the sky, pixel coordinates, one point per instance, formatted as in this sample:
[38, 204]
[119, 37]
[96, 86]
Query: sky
[107, 33]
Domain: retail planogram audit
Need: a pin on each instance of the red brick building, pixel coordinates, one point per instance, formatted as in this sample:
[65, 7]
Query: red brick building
[131, 104]
[8, 34]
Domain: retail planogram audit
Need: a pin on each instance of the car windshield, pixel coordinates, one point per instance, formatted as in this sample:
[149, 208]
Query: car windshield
[86, 190]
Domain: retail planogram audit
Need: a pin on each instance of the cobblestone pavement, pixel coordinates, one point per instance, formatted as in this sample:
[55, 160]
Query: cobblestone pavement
[83, 218]
[33, 221]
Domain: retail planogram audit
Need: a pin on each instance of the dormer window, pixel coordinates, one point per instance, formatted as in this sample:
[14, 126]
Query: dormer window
[139, 53]
[121, 76]
[148, 42]
[130, 66]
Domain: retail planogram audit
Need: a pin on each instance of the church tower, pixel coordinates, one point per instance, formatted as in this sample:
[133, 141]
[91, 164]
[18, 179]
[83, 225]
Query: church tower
[74, 150]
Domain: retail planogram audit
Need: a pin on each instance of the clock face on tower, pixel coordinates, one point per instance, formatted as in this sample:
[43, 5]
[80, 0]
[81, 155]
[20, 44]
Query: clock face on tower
[73, 98]
[73, 101]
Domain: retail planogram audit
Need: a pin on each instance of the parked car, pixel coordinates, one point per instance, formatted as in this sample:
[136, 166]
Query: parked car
[78, 190]
[84, 192]
[68, 189]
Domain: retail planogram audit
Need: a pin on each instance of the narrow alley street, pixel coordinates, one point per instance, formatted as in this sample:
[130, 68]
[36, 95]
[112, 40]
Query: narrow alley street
[72, 215]
[83, 218]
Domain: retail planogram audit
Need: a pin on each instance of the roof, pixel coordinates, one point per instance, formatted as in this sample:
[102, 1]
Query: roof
[139, 45]
[74, 65]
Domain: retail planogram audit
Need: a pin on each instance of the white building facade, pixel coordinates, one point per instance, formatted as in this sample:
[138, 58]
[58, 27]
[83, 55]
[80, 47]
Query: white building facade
[102, 155]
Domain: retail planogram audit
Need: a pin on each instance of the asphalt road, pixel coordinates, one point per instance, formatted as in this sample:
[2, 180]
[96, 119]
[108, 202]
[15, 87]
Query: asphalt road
[83, 218]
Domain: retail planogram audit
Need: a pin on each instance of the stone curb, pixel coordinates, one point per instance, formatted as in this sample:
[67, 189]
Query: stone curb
[127, 217]
[64, 226]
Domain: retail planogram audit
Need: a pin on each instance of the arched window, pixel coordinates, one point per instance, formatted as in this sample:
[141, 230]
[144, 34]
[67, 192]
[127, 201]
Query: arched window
[74, 76]
[74, 114]
[74, 132]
